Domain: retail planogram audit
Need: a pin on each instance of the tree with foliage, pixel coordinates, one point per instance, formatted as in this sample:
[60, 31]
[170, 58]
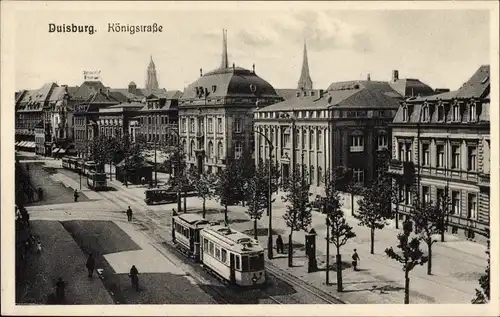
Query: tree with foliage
[257, 194]
[409, 255]
[444, 203]
[226, 187]
[483, 294]
[375, 208]
[298, 210]
[337, 225]
[427, 219]
[244, 168]
[204, 184]
[99, 151]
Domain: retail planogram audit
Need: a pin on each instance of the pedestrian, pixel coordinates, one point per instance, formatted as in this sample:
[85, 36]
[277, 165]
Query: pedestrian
[75, 195]
[129, 213]
[40, 193]
[355, 259]
[90, 264]
[279, 244]
[27, 219]
[60, 286]
[39, 246]
[143, 180]
[134, 278]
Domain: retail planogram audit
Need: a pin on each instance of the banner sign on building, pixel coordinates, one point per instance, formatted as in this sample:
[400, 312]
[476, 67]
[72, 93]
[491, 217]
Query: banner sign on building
[92, 75]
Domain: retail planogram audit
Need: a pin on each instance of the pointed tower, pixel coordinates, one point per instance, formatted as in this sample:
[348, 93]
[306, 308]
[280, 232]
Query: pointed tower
[225, 61]
[305, 81]
[152, 80]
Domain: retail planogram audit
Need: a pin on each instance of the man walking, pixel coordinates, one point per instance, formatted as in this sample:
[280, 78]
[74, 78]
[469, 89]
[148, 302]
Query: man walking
[90, 265]
[129, 213]
[279, 244]
[355, 259]
[75, 195]
[60, 286]
[134, 278]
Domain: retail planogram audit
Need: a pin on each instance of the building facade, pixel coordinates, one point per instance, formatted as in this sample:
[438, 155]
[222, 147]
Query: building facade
[441, 152]
[216, 114]
[346, 125]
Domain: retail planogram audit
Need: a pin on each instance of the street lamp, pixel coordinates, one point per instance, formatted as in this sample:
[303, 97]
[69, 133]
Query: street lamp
[270, 193]
[178, 163]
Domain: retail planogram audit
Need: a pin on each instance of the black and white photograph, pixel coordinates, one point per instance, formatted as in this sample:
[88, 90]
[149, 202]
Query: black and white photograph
[324, 156]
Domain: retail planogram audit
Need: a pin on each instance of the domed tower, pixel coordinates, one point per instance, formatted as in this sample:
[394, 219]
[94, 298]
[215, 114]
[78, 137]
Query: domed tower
[152, 80]
[216, 114]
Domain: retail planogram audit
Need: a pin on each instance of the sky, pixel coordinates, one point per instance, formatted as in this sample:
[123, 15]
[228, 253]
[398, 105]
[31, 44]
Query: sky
[442, 48]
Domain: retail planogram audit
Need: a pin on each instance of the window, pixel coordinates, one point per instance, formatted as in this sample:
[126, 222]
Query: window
[257, 262]
[426, 154]
[455, 150]
[357, 143]
[211, 248]
[311, 139]
[210, 149]
[471, 158]
[311, 175]
[237, 262]
[382, 141]
[440, 113]
[286, 140]
[320, 175]
[408, 152]
[408, 195]
[244, 263]
[426, 194]
[237, 125]
[359, 175]
[205, 244]
[210, 125]
[425, 113]
[220, 150]
[440, 155]
[191, 125]
[319, 140]
[455, 202]
[223, 257]
[219, 125]
[237, 150]
[296, 139]
[456, 113]
[439, 197]
[402, 150]
[472, 112]
[304, 136]
[471, 206]
[405, 114]
[217, 253]
[191, 148]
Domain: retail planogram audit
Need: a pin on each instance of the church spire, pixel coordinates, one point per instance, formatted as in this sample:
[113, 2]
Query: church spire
[305, 81]
[152, 80]
[225, 61]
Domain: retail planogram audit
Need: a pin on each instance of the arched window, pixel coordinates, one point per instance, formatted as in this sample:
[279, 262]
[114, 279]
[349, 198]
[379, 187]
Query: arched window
[472, 112]
[311, 139]
[440, 109]
[456, 112]
[191, 149]
[311, 175]
[319, 140]
[405, 113]
[210, 149]
[220, 151]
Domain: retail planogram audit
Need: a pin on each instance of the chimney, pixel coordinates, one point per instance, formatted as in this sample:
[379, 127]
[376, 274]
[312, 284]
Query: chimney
[395, 75]
[201, 72]
[321, 93]
[253, 68]
[368, 77]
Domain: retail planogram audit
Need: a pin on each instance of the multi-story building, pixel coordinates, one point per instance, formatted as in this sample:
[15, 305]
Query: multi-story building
[113, 121]
[441, 152]
[216, 113]
[159, 116]
[345, 125]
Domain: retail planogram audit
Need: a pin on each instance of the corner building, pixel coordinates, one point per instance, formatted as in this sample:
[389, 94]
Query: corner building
[216, 114]
[441, 152]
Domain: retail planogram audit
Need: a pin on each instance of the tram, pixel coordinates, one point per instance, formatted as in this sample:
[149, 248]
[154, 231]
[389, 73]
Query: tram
[186, 234]
[234, 257]
[97, 181]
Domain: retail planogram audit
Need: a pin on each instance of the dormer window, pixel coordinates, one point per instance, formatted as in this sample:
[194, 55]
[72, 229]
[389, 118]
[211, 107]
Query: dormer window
[405, 114]
[425, 113]
[472, 112]
[456, 113]
[440, 110]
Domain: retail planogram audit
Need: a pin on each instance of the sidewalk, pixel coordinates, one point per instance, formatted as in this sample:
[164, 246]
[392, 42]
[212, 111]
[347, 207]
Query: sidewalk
[61, 257]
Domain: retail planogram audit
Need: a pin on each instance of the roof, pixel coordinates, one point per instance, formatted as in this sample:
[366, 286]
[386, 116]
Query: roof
[350, 94]
[166, 94]
[292, 93]
[231, 81]
[87, 89]
[409, 87]
[192, 219]
[57, 94]
[101, 98]
[43, 93]
[237, 241]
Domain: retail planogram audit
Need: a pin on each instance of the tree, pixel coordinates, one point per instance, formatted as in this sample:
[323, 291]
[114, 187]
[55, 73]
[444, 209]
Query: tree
[483, 295]
[204, 184]
[340, 230]
[410, 255]
[257, 195]
[99, 151]
[427, 219]
[298, 214]
[444, 203]
[226, 187]
[244, 171]
[375, 208]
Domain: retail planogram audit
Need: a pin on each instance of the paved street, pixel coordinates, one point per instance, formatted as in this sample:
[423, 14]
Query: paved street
[457, 263]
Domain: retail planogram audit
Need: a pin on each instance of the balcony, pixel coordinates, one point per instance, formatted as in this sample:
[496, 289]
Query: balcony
[483, 180]
[357, 149]
[404, 169]
[396, 167]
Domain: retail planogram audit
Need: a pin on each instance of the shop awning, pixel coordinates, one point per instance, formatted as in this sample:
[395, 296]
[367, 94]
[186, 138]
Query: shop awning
[32, 145]
[22, 144]
[54, 151]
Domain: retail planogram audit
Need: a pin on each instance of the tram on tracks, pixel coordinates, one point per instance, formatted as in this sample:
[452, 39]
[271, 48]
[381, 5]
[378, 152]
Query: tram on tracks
[78, 165]
[97, 181]
[233, 257]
